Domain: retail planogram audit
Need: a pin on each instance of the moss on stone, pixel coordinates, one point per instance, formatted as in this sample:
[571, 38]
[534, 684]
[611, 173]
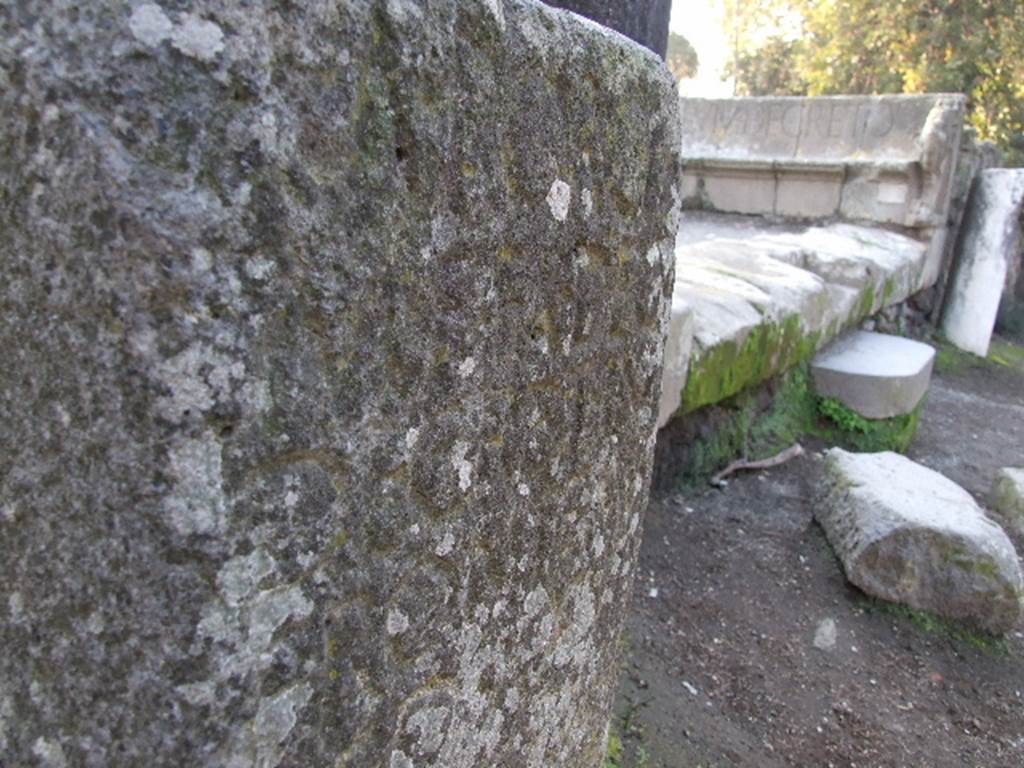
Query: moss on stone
[731, 367]
[796, 411]
[850, 429]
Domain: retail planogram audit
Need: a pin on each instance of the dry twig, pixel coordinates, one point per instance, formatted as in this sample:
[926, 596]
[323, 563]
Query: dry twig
[780, 458]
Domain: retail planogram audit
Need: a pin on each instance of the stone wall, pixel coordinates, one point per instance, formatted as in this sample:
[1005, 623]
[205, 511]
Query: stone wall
[888, 160]
[332, 339]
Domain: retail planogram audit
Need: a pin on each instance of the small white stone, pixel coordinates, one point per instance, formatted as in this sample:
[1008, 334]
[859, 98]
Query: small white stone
[559, 197]
[198, 38]
[411, 437]
[466, 367]
[524, 489]
[588, 202]
[825, 635]
[150, 25]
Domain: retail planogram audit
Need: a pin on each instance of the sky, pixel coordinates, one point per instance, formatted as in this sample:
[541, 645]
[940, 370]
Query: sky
[699, 22]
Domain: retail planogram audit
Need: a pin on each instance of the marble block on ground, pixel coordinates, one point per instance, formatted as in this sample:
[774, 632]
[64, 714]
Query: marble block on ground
[877, 375]
[907, 534]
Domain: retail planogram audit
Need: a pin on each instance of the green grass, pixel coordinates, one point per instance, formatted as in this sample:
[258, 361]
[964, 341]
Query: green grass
[1006, 354]
[959, 634]
[613, 754]
[796, 411]
[1001, 353]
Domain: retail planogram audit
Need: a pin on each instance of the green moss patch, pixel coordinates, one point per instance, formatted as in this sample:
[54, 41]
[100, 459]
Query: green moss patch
[796, 411]
[853, 431]
[958, 634]
[730, 367]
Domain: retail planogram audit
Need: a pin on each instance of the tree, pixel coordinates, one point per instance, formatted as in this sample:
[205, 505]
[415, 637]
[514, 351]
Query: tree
[681, 57]
[762, 35]
[974, 47]
[769, 70]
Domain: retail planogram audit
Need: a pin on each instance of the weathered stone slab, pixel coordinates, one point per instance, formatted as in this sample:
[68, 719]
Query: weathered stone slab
[883, 159]
[332, 339]
[877, 375]
[1007, 499]
[987, 261]
[678, 349]
[909, 535]
[761, 298]
[645, 21]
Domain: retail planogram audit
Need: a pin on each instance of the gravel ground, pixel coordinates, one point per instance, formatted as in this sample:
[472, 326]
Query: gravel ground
[735, 585]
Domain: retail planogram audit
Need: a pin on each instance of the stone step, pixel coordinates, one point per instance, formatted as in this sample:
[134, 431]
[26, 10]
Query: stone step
[906, 534]
[752, 298]
[875, 374]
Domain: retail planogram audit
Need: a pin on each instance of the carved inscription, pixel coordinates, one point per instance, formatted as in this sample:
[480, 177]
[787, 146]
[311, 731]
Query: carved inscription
[818, 126]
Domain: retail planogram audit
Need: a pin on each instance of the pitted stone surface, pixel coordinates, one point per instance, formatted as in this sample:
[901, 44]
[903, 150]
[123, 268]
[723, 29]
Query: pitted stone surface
[332, 340]
[877, 375]
[907, 534]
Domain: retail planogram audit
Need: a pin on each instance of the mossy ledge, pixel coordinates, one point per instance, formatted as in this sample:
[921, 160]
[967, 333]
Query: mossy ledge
[727, 369]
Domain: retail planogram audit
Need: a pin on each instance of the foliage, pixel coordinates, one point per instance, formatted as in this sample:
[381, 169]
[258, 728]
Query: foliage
[763, 38]
[770, 70]
[974, 47]
[796, 411]
[681, 57]
[863, 434]
[1001, 353]
[613, 754]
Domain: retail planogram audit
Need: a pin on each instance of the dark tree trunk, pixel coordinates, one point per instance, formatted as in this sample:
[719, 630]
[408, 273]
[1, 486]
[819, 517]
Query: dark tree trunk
[645, 21]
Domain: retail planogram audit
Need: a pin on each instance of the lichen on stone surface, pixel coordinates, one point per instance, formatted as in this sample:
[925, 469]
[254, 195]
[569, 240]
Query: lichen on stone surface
[336, 380]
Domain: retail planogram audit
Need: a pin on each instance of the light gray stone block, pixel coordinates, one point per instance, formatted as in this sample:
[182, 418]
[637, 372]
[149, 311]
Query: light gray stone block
[1007, 498]
[332, 338]
[985, 267]
[906, 534]
[875, 374]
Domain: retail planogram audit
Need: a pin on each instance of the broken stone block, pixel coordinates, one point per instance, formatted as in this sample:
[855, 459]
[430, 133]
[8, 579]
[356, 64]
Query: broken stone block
[906, 534]
[332, 342]
[987, 262]
[1007, 498]
[877, 375]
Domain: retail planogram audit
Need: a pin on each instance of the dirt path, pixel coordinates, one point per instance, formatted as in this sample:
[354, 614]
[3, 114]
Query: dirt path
[734, 584]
